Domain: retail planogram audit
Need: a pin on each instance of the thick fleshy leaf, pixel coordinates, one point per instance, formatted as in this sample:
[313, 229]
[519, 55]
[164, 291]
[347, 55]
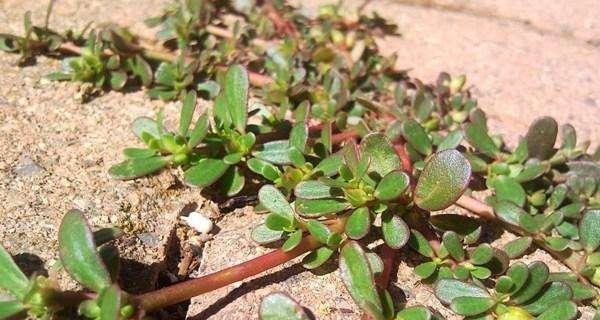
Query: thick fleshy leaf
[314, 189]
[414, 313]
[471, 306]
[139, 167]
[416, 136]
[206, 172]
[187, 112]
[557, 243]
[466, 227]
[418, 242]
[375, 262]
[482, 254]
[564, 310]
[279, 306]
[359, 223]
[138, 153]
[451, 242]
[538, 274]
[317, 258]
[541, 137]
[447, 290]
[358, 278]
[392, 186]
[395, 230]
[110, 303]
[589, 230]
[451, 141]
[199, 132]
[518, 273]
[443, 180]
[504, 284]
[532, 171]
[292, 241]
[236, 94]
[517, 247]
[554, 293]
[425, 269]
[10, 308]
[320, 231]
[299, 136]
[13, 280]
[263, 235]
[508, 212]
[274, 201]
[508, 189]
[478, 137]
[117, 80]
[232, 181]
[320, 207]
[330, 165]
[276, 152]
[499, 262]
[481, 272]
[78, 252]
[383, 157]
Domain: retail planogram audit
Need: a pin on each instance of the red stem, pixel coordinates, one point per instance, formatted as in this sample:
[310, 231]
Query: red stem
[388, 255]
[185, 290]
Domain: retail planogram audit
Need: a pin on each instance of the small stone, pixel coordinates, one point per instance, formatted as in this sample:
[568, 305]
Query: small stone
[198, 222]
[27, 167]
[150, 239]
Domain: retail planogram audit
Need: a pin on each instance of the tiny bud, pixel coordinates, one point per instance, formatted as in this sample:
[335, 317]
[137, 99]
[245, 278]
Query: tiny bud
[198, 222]
[515, 313]
[127, 311]
[457, 83]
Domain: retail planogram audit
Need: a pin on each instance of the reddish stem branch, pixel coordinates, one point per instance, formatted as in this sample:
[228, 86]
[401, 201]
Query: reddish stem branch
[185, 290]
[388, 255]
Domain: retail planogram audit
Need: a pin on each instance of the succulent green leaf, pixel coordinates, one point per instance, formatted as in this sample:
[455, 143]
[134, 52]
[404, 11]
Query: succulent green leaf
[517, 247]
[425, 269]
[211, 87]
[320, 207]
[383, 157]
[414, 313]
[395, 231]
[447, 290]
[145, 124]
[320, 231]
[330, 165]
[392, 186]
[466, 227]
[443, 180]
[557, 197]
[10, 308]
[358, 278]
[359, 223]
[554, 293]
[451, 242]
[538, 274]
[541, 137]
[416, 136]
[508, 189]
[317, 258]
[78, 252]
[206, 172]
[13, 280]
[478, 137]
[420, 244]
[138, 153]
[451, 141]
[563, 310]
[589, 230]
[272, 199]
[482, 254]
[481, 273]
[504, 284]
[236, 94]
[557, 243]
[508, 212]
[375, 262]
[117, 80]
[187, 112]
[292, 241]
[299, 136]
[279, 306]
[518, 273]
[314, 189]
[263, 235]
[276, 152]
[138, 167]
[569, 136]
[199, 132]
[110, 303]
[532, 171]
[232, 181]
[471, 306]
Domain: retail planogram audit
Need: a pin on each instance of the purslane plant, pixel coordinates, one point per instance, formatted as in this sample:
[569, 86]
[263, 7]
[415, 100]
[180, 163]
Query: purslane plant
[349, 152]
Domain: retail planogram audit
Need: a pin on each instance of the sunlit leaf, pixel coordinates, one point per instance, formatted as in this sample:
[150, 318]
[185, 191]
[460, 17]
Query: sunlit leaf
[517, 247]
[392, 185]
[395, 231]
[554, 293]
[137, 167]
[206, 172]
[383, 157]
[589, 230]
[13, 280]
[359, 223]
[541, 137]
[470, 306]
[416, 136]
[236, 94]
[447, 290]
[563, 310]
[538, 274]
[279, 306]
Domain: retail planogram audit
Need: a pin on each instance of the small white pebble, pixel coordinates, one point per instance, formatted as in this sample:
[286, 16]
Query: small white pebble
[198, 222]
